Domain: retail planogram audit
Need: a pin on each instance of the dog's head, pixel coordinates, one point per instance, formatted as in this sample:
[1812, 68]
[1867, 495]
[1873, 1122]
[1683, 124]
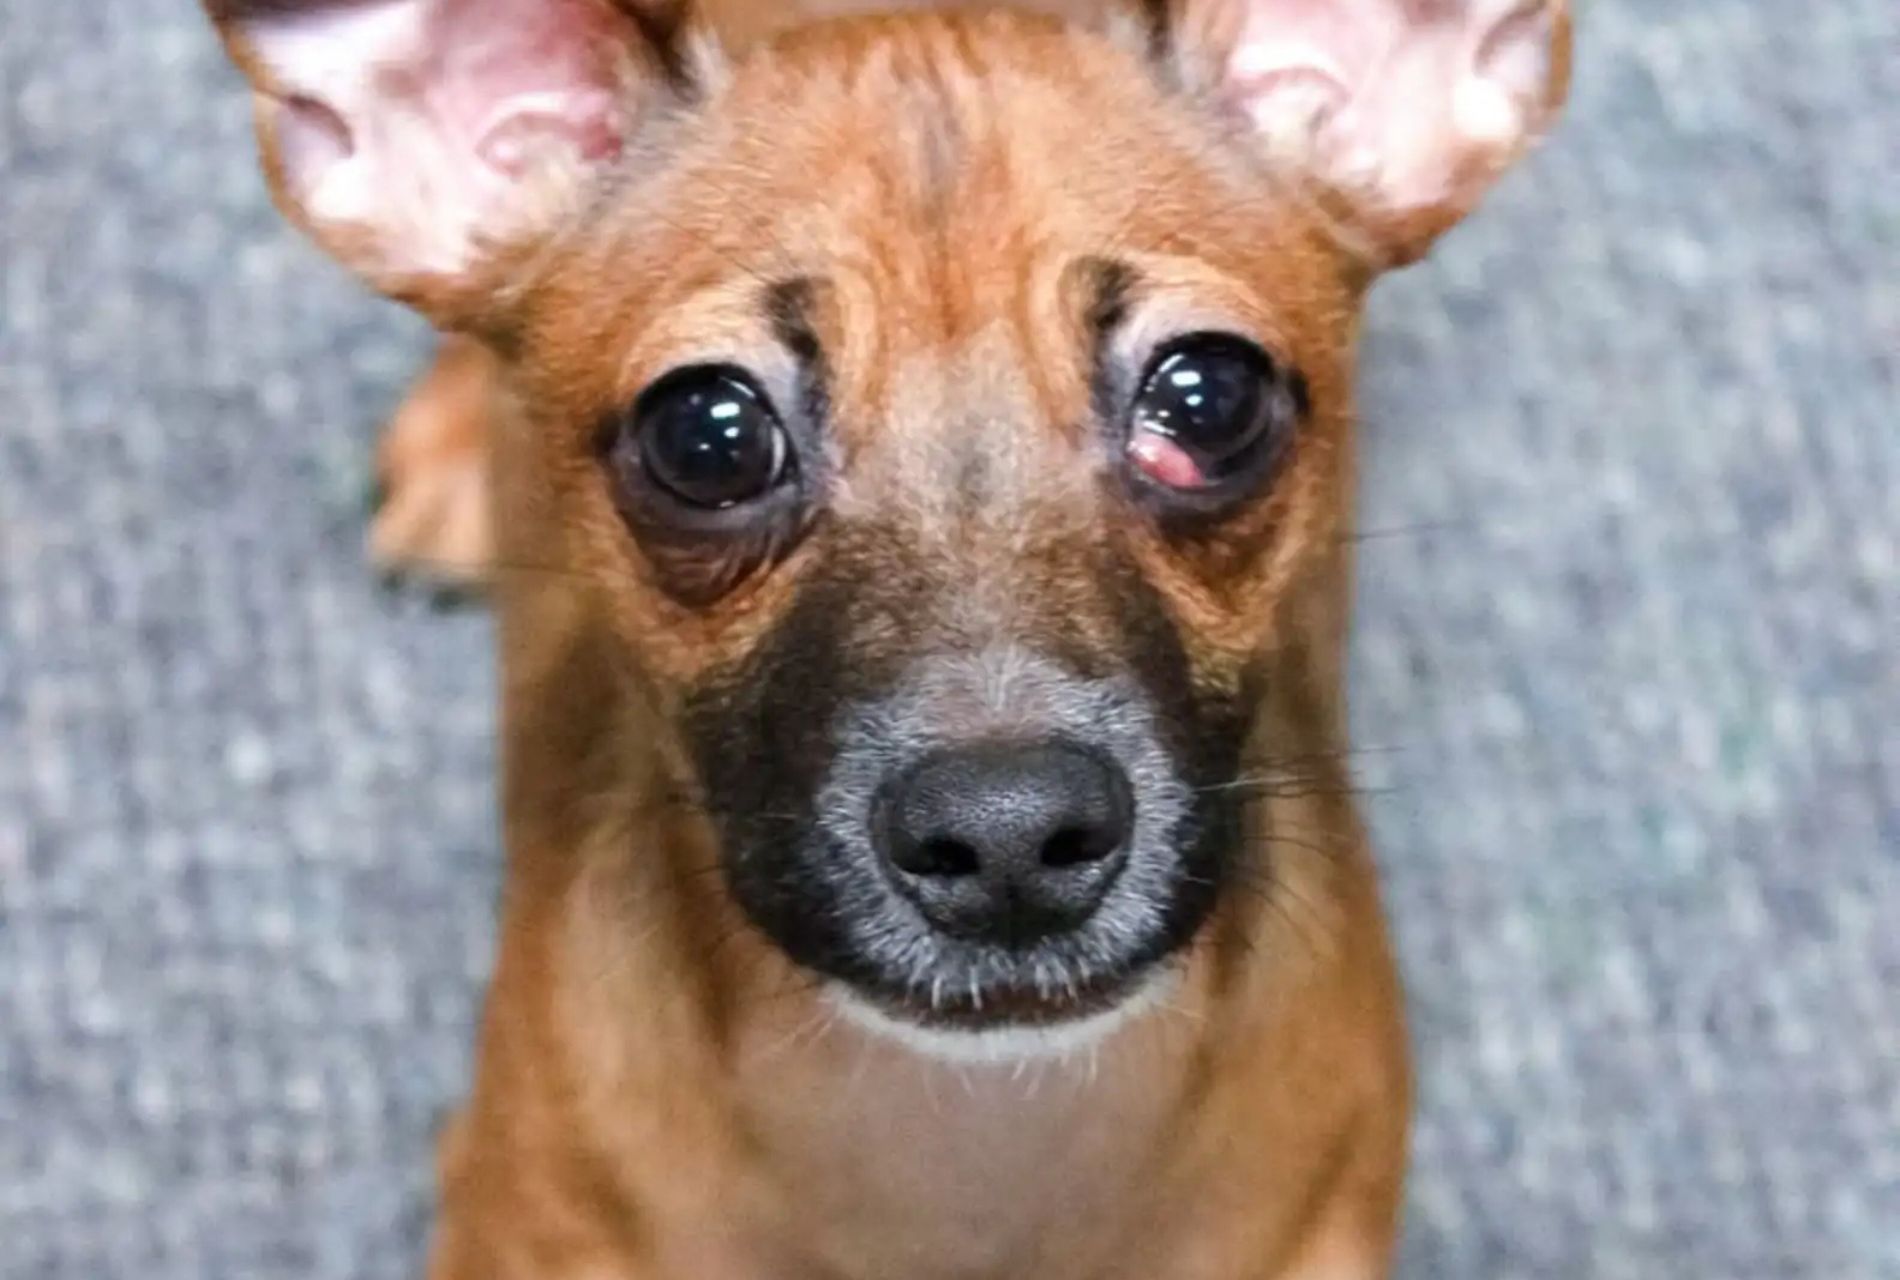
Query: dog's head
[947, 410]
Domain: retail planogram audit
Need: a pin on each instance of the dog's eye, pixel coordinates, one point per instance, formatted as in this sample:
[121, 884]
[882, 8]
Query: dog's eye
[709, 437]
[1211, 407]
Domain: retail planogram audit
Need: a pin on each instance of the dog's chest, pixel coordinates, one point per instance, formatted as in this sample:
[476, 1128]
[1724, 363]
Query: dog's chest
[886, 1164]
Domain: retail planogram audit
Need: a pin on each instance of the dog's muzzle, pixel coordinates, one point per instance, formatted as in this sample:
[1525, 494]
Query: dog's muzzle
[1002, 841]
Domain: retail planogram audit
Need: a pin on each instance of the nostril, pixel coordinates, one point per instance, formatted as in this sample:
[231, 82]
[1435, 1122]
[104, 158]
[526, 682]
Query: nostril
[1005, 839]
[1077, 846]
[938, 857]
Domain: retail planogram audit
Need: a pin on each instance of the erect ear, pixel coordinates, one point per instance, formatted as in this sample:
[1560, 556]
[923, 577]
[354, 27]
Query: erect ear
[1401, 113]
[420, 141]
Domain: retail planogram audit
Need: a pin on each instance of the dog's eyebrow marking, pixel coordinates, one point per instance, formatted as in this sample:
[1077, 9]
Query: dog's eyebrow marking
[1110, 285]
[1158, 17]
[789, 305]
[665, 30]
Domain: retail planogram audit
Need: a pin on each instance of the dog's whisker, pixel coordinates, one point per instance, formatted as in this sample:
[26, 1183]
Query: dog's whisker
[1293, 788]
[457, 575]
[1266, 760]
[1396, 533]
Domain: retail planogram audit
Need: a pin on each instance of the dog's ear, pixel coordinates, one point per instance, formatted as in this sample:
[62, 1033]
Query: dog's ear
[425, 142]
[1400, 113]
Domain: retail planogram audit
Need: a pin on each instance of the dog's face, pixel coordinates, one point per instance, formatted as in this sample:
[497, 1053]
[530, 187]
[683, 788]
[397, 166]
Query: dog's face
[945, 410]
[972, 464]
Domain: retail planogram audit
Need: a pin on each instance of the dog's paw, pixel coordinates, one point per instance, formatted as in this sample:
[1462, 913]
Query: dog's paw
[434, 522]
[433, 525]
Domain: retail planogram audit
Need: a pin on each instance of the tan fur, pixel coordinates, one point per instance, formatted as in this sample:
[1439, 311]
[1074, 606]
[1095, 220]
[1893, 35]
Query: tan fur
[660, 1095]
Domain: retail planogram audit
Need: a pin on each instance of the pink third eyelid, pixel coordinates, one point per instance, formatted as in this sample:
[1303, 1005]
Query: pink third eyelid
[1163, 460]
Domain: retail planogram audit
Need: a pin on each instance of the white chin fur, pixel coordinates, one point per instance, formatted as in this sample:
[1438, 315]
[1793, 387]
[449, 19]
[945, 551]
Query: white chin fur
[1000, 1046]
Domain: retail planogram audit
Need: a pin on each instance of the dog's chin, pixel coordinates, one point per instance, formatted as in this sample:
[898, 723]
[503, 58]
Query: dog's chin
[1006, 1024]
[896, 974]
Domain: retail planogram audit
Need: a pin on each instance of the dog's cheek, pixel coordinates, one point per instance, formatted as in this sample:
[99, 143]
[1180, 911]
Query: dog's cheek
[1200, 698]
[1200, 715]
[761, 732]
[756, 740]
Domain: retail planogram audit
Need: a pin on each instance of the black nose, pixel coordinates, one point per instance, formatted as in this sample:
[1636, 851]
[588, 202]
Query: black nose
[1007, 842]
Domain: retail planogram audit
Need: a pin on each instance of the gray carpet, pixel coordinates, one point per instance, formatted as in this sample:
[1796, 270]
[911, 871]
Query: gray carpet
[1627, 649]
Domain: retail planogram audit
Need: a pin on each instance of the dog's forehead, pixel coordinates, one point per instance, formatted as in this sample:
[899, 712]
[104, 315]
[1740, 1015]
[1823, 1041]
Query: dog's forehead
[944, 170]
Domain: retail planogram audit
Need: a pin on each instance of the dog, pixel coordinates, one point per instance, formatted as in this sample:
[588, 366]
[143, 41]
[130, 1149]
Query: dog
[921, 463]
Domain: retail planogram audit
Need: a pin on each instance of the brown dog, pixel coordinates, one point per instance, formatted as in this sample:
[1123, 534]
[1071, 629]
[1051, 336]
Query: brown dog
[923, 455]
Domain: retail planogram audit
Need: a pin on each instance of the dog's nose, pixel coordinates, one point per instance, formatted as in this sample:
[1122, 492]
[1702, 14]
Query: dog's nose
[1007, 842]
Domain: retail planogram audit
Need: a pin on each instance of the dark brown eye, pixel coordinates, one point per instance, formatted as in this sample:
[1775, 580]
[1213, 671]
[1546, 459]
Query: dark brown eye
[1210, 408]
[709, 437]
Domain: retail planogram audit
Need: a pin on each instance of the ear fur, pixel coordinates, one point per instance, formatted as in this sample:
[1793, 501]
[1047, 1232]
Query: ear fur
[421, 141]
[1399, 115]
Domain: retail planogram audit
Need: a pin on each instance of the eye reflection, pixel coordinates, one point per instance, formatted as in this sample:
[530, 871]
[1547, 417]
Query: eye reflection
[1210, 405]
[708, 436]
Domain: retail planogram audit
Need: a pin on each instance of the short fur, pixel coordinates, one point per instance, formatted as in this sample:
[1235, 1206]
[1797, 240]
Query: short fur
[945, 242]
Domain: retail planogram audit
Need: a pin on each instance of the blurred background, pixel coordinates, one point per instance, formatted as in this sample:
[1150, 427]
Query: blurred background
[1625, 666]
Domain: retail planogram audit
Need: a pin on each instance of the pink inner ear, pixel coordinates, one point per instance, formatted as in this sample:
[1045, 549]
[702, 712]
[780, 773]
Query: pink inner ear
[421, 122]
[1404, 104]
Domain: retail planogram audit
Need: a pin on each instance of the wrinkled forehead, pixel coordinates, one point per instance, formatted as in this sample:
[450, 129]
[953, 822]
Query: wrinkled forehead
[954, 202]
